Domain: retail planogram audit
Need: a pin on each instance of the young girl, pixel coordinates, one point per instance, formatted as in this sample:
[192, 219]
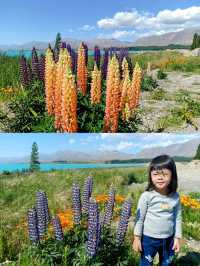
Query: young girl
[158, 225]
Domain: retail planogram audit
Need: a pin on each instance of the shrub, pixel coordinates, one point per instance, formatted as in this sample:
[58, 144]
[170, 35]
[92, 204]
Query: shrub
[161, 74]
[149, 84]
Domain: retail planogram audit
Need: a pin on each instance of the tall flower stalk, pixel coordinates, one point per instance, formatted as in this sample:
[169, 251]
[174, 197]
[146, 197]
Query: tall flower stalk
[32, 225]
[93, 228]
[23, 67]
[82, 69]
[35, 64]
[134, 93]
[113, 95]
[76, 204]
[109, 207]
[96, 86]
[50, 77]
[97, 56]
[41, 214]
[57, 228]
[63, 62]
[69, 102]
[87, 192]
[123, 223]
[105, 63]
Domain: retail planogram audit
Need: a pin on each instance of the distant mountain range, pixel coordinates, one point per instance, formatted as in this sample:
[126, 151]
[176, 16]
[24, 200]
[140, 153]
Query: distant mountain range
[102, 43]
[183, 37]
[187, 150]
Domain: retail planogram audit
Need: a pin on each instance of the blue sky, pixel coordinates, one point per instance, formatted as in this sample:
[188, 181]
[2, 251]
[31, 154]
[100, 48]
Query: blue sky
[23, 21]
[18, 145]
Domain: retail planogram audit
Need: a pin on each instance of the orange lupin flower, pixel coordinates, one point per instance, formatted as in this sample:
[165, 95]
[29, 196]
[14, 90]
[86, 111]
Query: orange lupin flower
[134, 93]
[112, 96]
[125, 74]
[49, 81]
[82, 70]
[61, 66]
[69, 102]
[96, 86]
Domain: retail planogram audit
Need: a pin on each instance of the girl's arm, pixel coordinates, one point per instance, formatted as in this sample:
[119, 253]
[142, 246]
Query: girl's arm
[140, 214]
[178, 221]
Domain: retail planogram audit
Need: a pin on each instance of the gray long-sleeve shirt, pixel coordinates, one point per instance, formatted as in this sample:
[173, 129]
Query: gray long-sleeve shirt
[158, 216]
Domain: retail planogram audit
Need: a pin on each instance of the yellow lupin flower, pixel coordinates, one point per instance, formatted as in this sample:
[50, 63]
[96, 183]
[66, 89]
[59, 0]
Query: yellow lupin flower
[69, 103]
[82, 70]
[96, 86]
[124, 104]
[125, 68]
[113, 96]
[49, 81]
[61, 67]
[134, 93]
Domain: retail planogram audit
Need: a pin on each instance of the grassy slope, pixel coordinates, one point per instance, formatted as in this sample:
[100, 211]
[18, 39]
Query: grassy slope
[18, 194]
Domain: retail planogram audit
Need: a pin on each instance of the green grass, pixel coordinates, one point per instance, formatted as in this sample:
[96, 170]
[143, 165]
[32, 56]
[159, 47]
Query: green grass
[9, 71]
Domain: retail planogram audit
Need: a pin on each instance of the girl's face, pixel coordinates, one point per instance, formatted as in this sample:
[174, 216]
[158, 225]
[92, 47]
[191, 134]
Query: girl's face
[161, 179]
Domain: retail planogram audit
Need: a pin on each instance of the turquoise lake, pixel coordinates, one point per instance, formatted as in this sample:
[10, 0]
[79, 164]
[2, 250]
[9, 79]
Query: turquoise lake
[61, 166]
[27, 53]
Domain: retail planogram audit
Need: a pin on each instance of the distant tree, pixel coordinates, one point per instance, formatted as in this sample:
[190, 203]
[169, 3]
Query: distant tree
[197, 156]
[196, 41]
[34, 163]
[57, 45]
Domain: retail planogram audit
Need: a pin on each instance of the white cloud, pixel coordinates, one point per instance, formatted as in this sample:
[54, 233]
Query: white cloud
[87, 28]
[124, 145]
[118, 34]
[71, 141]
[162, 22]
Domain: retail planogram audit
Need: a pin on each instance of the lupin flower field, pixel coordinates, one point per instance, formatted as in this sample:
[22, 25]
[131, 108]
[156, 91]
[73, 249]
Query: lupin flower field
[69, 91]
[116, 89]
[63, 88]
[81, 218]
[94, 229]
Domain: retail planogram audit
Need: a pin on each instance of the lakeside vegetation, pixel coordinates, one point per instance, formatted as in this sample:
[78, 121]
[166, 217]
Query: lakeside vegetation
[18, 195]
[24, 104]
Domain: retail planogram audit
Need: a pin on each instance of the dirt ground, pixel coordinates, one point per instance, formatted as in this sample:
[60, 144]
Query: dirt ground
[153, 110]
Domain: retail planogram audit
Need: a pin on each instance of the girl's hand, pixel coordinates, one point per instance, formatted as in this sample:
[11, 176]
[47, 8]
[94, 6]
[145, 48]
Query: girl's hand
[137, 246]
[176, 246]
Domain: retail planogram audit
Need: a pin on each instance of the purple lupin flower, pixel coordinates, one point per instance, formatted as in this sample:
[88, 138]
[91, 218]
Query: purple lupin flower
[29, 73]
[42, 66]
[57, 228]
[109, 207]
[97, 56]
[87, 192]
[32, 225]
[74, 57]
[23, 71]
[41, 213]
[35, 64]
[105, 63]
[46, 207]
[69, 48]
[123, 52]
[123, 223]
[93, 229]
[76, 204]
[63, 45]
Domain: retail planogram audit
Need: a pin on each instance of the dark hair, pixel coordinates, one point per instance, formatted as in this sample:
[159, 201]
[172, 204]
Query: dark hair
[159, 163]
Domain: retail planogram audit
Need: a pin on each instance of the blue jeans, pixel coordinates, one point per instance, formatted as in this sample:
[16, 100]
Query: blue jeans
[151, 245]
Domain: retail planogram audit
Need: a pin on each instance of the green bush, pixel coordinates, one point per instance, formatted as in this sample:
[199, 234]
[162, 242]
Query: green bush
[161, 74]
[149, 84]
